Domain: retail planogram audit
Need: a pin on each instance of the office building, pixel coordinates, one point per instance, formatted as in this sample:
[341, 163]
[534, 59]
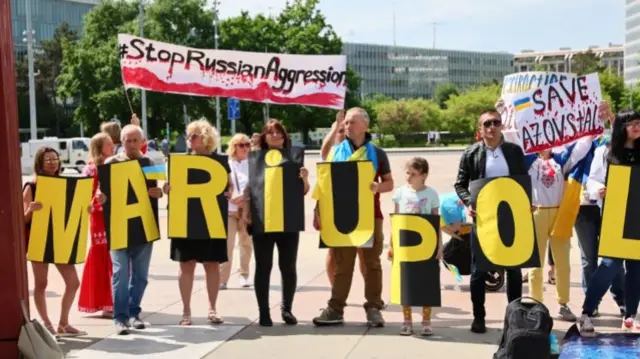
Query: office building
[561, 60]
[410, 72]
[46, 16]
[632, 42]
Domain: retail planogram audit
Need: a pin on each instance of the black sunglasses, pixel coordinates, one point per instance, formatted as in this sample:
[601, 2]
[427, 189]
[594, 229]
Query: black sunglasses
[494, 122]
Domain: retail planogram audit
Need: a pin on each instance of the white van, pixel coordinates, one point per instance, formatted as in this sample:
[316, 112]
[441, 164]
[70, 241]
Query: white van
[74, 152]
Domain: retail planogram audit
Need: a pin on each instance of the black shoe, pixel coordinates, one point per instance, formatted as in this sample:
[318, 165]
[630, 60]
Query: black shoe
[478, 326]
[289, 318]
[265, 320]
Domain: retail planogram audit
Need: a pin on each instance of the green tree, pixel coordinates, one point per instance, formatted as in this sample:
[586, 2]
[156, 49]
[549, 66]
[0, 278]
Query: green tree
[369, 103]
[443, 92]
[585, 63]
[612, 87]
[463, 110]
[407, 117]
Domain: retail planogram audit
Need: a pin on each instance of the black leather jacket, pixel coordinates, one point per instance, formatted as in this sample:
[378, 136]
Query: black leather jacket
[473, 165]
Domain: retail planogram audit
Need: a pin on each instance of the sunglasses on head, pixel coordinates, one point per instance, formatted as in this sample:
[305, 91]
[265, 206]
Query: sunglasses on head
[493, 122]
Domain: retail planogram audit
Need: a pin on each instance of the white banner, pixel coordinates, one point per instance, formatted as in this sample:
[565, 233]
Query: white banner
[514, 85]
[312, 80]
[559, 113]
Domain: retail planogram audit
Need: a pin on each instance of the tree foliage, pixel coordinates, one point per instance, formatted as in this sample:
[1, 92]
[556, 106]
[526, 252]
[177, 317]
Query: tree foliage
[443, 93]
[462, 110]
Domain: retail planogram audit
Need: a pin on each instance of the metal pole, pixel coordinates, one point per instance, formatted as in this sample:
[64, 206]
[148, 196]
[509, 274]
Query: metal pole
[32, 83]
[143, 94]
[233, 126]
[215, 35]
[266, 104]
[185, 116]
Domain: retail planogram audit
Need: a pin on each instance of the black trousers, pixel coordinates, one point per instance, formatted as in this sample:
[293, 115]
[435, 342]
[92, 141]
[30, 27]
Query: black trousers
[478, 294]
[263, 246]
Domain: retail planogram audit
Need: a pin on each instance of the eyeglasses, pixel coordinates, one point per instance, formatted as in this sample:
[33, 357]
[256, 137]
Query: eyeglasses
[243, 145]
[52, 161]
[634, 123]
[193, 135]
[493, 122]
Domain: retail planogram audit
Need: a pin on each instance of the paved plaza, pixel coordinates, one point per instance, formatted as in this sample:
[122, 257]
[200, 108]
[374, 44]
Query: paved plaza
[240, 336]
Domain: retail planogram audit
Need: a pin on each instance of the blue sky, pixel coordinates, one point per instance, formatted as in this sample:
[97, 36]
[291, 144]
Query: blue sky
[479, 25]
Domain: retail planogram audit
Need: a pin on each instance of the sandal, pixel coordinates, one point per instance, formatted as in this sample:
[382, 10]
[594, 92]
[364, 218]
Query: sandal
[214, 318]
[552, 277]
[51, 330]
[70, 332]
[186, 320]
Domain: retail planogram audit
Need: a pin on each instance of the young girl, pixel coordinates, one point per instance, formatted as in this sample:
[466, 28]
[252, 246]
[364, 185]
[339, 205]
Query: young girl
[416, 197]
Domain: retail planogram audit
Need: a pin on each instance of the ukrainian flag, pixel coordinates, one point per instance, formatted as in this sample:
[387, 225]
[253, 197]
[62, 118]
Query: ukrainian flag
[522, 103]
[156, 172]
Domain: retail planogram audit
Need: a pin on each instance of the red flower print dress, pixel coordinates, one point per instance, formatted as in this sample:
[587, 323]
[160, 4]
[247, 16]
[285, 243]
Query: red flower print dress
[95, 289]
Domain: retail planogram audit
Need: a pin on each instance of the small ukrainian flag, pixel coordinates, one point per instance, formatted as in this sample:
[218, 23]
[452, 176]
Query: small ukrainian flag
[156, 172]
[522, 103]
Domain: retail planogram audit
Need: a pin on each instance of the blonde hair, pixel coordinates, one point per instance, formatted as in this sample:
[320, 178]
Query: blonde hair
[112, 129]
[231, 145]
[95, 147]
[208, 133]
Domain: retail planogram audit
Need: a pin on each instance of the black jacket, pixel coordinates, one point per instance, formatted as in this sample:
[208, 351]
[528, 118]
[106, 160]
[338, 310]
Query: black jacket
[473, 165]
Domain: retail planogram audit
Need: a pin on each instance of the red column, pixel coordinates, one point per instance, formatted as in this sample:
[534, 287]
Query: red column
[13, 272]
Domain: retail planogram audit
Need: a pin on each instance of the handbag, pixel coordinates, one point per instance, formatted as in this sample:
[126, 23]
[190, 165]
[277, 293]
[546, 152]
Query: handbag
[35, 341]
[235, 176]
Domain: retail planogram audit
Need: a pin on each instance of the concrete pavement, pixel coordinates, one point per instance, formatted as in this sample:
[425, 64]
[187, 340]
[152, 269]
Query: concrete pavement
[240, 337]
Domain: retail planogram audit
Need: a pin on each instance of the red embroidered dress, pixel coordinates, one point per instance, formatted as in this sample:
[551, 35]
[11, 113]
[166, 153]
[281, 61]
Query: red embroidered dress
[95, 289]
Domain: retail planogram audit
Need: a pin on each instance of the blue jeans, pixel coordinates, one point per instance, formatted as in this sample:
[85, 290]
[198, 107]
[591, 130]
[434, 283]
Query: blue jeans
[601, 280]
[588, 230]
[130, 278]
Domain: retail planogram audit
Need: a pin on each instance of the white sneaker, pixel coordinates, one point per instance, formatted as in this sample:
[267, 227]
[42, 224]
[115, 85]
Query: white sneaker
[244, 282]
[122, 328]
[586, 327]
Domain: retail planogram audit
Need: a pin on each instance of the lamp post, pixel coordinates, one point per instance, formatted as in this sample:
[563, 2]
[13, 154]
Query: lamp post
[215, 35]
[29, 34]
[143, 94]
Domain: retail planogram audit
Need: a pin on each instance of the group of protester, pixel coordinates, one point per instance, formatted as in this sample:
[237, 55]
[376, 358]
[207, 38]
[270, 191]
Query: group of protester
[114, 281]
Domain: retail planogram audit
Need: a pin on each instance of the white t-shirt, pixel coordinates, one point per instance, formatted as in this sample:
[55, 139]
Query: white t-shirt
[496, 164]
[412, 201]
[239, 179]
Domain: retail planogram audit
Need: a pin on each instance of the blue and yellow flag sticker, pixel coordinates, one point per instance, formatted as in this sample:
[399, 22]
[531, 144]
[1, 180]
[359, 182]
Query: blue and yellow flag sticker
[156, 172]
[454, 270]
[522, 103]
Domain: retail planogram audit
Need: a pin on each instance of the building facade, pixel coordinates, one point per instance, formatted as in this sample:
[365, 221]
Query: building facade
[46, 16]
[632, 43]
[528, 60]
[409, 72]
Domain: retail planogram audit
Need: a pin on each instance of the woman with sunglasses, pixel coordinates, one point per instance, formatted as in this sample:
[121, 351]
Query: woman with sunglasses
[47, 163]
[238, 150]
[274, 136]
[201, 140]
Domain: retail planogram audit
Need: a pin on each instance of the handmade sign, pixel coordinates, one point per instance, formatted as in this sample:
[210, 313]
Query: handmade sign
[198, 208]
[559, 113]
[620, 230]
[505, 235]
[513, 86]
[277, 192]
[312, 80]
[59, 230]
[415, 271]
[130, 215]
[345, 201]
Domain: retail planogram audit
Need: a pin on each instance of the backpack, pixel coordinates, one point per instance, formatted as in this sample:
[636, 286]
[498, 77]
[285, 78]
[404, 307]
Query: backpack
[527, 327]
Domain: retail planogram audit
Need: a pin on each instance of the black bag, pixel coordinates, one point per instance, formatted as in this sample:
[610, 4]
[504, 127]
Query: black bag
[527, 327]
[458, 253]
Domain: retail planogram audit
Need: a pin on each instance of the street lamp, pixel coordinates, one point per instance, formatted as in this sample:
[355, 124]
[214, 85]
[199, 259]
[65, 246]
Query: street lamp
[29, 34]
[143, 93]
[215, 35]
